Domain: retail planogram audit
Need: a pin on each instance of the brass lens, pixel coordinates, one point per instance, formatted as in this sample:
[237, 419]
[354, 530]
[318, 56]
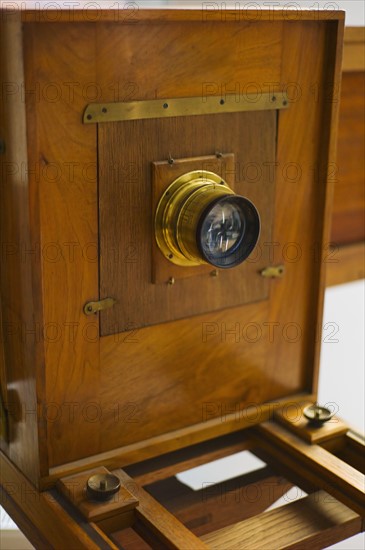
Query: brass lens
[200, 220]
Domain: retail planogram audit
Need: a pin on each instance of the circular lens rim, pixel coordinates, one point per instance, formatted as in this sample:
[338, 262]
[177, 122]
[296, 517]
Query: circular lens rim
[240, 251]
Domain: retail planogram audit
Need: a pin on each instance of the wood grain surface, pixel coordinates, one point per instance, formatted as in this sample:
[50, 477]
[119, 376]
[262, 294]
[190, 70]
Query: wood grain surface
[329, 472]
[131, 390]
[348, 225]
[315, 521]
[127, 215]
[42, 516]
[22, 380]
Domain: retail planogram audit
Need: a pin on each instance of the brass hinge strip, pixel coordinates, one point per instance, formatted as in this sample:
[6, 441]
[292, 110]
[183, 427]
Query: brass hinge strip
[186, 106]
[94, 307]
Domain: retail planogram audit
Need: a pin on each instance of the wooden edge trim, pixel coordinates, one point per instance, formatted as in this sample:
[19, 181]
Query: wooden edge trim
[132, 14]
[178, 439]
[328, 153]
[347, 265]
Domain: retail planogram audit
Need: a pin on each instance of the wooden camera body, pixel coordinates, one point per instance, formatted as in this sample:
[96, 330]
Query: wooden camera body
[115, 357]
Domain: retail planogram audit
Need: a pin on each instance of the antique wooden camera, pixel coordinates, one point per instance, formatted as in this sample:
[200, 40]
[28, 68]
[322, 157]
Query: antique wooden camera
[165, 215]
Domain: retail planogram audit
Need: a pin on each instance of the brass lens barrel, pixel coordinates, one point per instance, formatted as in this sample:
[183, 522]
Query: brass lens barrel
[200, 220]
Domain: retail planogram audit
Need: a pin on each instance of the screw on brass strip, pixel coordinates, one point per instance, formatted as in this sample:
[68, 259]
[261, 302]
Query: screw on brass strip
[186, 106]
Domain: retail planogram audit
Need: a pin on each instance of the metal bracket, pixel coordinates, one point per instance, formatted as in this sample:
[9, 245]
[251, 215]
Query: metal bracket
[185, 106]
[94, 307]
[273, 272]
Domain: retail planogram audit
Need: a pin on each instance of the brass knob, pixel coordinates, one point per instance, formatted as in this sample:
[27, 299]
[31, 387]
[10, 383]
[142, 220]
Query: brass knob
[200, 220]
[102, 487]
[317, 415]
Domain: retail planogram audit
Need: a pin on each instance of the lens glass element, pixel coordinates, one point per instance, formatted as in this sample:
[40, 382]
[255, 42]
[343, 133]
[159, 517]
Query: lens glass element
[228, 231]
[222, 229]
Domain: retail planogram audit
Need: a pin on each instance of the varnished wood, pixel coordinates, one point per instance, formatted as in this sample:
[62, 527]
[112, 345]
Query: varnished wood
[41, 515]
[354, 49]
[128, 397]
[218, 505]
[134, 14]
[337, 477]
[213, 427]
[74, 489]
[68, 212]
[23, 381]
[348, 264]
[349, 171]
[350, 448]
[314, 522]
[169, 464]
[127, 236]
[162, 526]
[65, 189]
[293, 419]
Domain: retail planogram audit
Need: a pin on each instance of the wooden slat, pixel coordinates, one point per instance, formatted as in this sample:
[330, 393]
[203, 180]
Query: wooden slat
[313, 522]
[348, 265]
[218, 505]
[155, 522]
[172, 463]
[328, 471]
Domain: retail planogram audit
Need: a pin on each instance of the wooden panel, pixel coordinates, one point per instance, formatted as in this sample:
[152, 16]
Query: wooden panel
[312, 115]
[201, 67]
[62, 155]
[126, 222]
[21, 299]
[316, 521]
[269, 358]
[348, 223]
[347, 265]
[262, 364]
[354, 49]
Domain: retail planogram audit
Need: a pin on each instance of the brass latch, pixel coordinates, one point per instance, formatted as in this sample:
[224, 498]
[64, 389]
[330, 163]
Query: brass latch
[273, 271]
[94, 307]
